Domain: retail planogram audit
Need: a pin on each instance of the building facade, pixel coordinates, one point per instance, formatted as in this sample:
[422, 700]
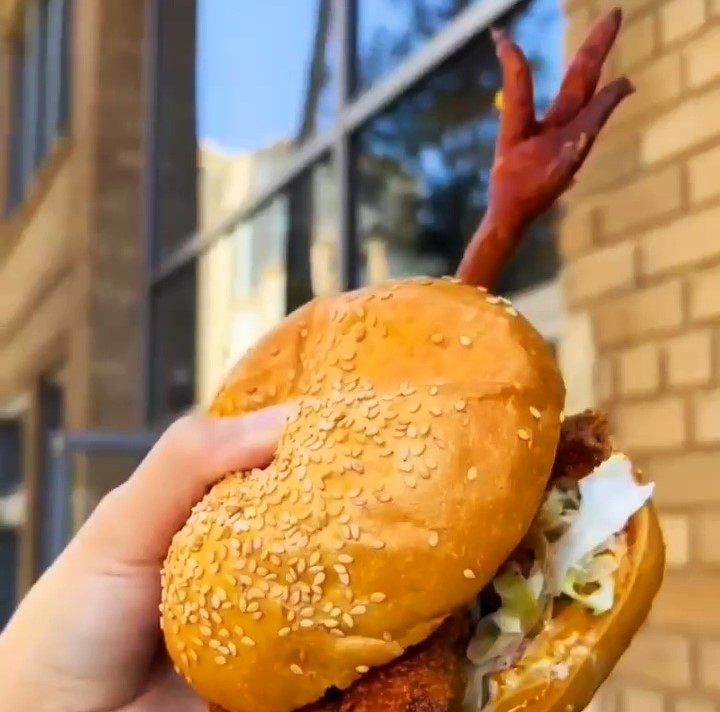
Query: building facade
[118, 314]
[79, 156]
[642, 266]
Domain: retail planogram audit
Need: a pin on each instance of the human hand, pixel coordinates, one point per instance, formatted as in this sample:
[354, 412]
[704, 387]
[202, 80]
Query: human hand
[86, 638]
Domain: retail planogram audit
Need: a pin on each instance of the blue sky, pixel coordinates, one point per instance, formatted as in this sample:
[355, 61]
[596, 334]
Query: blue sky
[251, 64]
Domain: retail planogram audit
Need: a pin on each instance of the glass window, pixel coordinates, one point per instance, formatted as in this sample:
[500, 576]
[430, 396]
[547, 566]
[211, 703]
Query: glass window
[423, 166]
[172, 367]
[10, 455]
[9, 565]
[266, 82]
[389, 31]
[40, 92]
[284, 255]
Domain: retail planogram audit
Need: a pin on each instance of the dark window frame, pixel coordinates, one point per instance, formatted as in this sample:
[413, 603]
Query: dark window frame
[352, 112]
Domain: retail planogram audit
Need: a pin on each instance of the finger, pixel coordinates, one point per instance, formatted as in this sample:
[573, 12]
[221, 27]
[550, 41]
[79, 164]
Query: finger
[583, 74]
[594, 116]
[517, 119]
[135, 523]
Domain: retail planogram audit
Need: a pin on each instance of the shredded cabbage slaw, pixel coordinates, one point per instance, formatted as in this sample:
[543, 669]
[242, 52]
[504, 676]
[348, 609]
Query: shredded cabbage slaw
[579, 541]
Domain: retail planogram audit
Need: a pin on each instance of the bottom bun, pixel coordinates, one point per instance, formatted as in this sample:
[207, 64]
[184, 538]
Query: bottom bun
[579, 650]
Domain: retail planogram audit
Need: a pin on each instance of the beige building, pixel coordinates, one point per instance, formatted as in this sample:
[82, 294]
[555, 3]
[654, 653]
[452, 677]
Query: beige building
[77, 94]
[642, 268]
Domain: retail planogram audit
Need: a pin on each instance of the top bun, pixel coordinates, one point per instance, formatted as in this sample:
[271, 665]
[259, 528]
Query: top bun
[428, 418]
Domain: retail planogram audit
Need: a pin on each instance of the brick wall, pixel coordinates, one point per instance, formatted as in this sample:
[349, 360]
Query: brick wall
[641, 246]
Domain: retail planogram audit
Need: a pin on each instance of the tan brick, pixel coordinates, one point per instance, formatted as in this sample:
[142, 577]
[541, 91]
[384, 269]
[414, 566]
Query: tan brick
[706, 412]
[710, 664]
[701, 58]
[614, 160]
[680, 18]
[639, 699]
[653, 197]
[702, 170]
[689, 359]
[706, 526]
[639, 369]
[651, 426]
[577, 231]
[687, 479]
[692, 122]
[683, 243]
[604, 379]
[658, 659]
[658, 84]
[642, 313]
[637, 42]
[676, 531]
[578, 23]
[600, 272]
[671, 612]
[695, 704]
[630, 7]
[705, 294]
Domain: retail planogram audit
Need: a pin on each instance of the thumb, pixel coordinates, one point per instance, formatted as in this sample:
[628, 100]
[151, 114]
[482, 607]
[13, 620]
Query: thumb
[135, 523]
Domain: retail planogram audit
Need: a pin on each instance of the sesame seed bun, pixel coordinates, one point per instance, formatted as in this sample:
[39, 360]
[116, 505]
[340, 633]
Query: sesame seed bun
[428, 419]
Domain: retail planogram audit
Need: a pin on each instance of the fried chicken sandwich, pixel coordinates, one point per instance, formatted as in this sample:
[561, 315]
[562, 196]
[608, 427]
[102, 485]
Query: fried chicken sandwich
[432, 534]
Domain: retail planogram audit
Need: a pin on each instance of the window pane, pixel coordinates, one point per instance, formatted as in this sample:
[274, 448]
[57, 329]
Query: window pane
[268, 265]
[32, 66]
[16, 134]
[266, 81]
[9, 564]
[389, 31]
[172, 368]
[423, 166]
[10, 455]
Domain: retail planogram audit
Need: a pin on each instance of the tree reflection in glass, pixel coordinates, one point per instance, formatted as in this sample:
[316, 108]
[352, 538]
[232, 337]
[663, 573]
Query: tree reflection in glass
[423, 166]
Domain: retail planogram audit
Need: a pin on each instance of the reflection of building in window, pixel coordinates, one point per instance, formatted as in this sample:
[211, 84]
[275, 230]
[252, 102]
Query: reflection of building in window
[423, 164]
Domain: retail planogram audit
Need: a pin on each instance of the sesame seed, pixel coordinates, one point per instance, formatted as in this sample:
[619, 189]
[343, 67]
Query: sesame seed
[296, 669]
[377, 597]
[534, 412]
[362, 669]
[460, 405]
[221, 660]
[434, 539]
[358, 610]
[562, 416]
[437, 338]
[523, 434]
[283, 632]
[247, 641]
[469, 574]
[465, 341]
[472, 473]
